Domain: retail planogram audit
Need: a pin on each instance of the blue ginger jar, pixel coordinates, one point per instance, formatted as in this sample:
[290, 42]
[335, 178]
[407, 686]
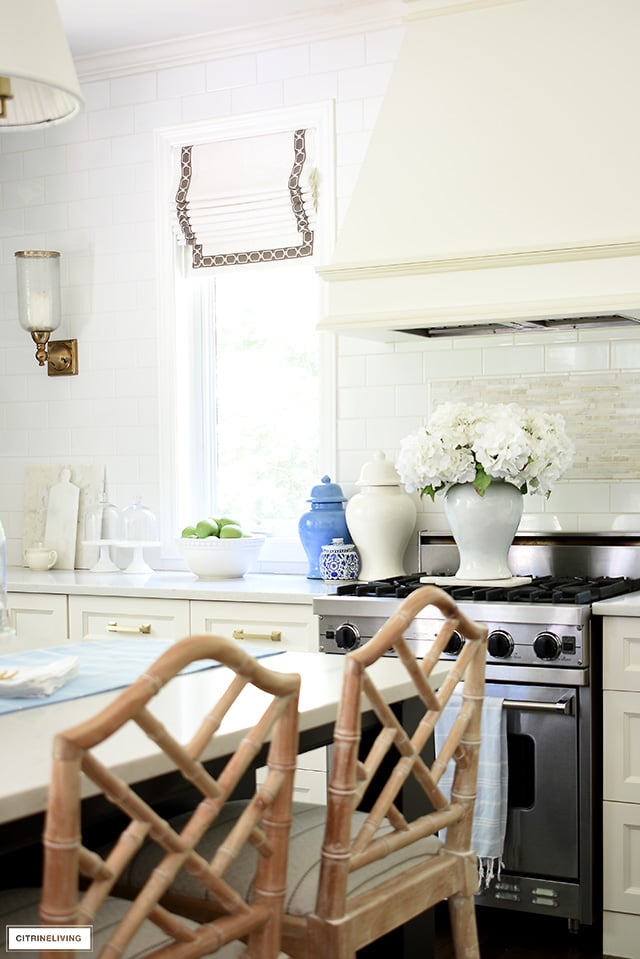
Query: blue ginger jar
[322, 523]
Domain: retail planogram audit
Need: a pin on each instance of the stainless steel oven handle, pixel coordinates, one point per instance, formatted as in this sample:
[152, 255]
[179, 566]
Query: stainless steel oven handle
[564, 705]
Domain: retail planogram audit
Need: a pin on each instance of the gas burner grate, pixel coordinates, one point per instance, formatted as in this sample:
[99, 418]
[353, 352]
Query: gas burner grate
[571, 590]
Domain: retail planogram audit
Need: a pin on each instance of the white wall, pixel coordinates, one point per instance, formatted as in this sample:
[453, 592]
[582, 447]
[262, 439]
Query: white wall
[86, 189]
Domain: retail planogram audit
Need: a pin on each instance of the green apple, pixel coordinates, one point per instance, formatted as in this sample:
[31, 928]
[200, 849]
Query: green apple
[205, 528]
[225, 521]
[188, 532]
[230, 531]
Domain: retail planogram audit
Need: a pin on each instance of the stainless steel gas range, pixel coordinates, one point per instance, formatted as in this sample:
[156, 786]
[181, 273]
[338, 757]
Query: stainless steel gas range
[543, 660]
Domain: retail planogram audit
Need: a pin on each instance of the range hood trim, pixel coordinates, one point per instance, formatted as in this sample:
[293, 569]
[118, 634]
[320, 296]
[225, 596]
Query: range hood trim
[489, 318]
[479, 261]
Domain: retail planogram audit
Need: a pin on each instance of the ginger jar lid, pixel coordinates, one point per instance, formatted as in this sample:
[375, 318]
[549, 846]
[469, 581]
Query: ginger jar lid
[326, 492]
[378, 472]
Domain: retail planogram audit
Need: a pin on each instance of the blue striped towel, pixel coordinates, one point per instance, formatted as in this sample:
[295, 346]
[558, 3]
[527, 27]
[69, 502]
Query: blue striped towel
[490, 813]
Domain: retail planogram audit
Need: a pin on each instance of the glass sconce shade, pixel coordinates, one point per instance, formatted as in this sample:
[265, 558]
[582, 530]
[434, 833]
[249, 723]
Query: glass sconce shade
[38, 273]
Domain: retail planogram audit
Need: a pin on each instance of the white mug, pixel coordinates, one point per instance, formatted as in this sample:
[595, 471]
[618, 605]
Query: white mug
[40, 557]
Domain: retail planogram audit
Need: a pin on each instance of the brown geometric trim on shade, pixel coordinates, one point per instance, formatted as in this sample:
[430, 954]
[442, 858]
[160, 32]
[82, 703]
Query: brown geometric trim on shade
[200, 259]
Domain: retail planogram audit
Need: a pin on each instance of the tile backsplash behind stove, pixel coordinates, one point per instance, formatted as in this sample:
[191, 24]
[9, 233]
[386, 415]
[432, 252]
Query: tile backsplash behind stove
[591, 377]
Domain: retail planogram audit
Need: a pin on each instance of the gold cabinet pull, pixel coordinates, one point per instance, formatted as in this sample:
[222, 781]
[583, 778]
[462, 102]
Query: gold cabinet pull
[275, 635]
[115, 628]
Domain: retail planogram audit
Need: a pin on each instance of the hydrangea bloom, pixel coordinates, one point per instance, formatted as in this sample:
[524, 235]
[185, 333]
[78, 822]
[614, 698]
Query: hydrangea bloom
[478, 443]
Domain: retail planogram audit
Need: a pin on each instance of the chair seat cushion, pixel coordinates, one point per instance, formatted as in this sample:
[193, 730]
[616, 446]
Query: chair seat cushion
[19, 907]
[305, 846]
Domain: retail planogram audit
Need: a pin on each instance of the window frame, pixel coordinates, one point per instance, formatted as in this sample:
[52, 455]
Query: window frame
[283, 555]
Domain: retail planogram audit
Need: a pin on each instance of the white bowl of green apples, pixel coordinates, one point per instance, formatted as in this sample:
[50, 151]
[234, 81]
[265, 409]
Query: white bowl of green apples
[218, 548]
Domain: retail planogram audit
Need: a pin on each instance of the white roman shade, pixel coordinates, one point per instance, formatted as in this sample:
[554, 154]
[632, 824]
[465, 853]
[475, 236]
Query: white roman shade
[247, 200]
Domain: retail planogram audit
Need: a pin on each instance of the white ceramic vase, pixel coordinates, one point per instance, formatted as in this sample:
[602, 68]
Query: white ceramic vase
[381, 520]
[483, 528]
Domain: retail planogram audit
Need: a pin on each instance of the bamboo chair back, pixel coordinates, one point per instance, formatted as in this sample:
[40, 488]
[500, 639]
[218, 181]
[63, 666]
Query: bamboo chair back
[264, 822]
[343, 923]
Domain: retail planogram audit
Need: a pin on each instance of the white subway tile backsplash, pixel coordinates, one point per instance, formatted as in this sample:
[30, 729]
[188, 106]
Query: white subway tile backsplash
[17, 194]
[310, 89]
[231, 72]
[113, 122]
[577, 356]
[351, 434]
[44, 218]
[261, 96]
[66, 186]
[394, 368]
[283, 62]
[349, 117]
[352, 370]
[340, 53]
[150, 116]
[515, 359]
[40, 163]
[625, 498]
[376, 400]
[97, 95]
[367, 81]
[95, 442]
[140, 88]
[411, 402]
[456, 363]
[181, 81]
[206, 106]
[385, 433]
[129, 149]
[86, 155]
[625, 354]
[580, 497]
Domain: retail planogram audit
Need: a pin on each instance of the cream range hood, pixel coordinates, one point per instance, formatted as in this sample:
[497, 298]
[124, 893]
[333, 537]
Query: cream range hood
[500, 188]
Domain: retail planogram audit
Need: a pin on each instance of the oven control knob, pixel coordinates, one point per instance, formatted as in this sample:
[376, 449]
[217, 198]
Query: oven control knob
[500, 644]
[347, 636]
[455, 644]
[547, 646]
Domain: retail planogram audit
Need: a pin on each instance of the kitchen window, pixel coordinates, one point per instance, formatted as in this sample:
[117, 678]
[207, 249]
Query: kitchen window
[247, 416]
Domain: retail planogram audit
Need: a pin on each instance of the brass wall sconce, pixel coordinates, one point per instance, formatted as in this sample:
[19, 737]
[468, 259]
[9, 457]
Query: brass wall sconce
[38, 273]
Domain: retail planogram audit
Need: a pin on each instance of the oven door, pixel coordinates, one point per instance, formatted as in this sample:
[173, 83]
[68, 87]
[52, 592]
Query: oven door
[543, 819]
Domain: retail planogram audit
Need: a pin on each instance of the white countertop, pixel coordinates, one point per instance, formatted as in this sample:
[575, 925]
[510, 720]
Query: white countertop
[26, 736]
[170, 584]
[628, 605]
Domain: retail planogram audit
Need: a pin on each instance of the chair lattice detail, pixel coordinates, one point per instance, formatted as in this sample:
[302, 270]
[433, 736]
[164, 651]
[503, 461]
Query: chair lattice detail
[264, 821]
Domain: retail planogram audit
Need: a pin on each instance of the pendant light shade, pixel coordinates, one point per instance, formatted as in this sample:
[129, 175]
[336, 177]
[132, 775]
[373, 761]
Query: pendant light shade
[38, 82]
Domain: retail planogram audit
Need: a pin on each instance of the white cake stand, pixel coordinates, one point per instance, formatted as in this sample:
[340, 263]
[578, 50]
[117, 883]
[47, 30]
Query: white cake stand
[137, 564]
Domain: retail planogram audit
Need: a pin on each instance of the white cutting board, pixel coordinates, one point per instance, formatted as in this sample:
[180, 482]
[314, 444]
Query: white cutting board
[62, 520]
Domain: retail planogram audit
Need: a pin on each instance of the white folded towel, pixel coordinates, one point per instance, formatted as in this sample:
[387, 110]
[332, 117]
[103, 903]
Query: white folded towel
[31, 681]
[490, 813]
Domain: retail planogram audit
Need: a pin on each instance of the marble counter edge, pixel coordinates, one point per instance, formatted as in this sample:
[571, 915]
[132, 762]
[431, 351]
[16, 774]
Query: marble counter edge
[254, 587]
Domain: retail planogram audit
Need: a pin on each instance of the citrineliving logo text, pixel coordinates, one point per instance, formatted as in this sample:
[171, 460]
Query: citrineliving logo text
[28, 938]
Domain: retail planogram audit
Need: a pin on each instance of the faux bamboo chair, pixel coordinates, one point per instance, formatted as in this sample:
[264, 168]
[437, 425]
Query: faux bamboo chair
[353, 876]
[144, 926]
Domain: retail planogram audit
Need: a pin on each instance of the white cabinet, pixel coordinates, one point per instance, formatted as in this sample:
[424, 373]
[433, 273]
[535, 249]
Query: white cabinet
[102, 617]
[621, 787]
[268, 625]
[39, 619]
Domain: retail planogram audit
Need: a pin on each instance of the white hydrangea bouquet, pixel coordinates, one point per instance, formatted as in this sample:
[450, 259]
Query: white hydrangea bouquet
[480, 442]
